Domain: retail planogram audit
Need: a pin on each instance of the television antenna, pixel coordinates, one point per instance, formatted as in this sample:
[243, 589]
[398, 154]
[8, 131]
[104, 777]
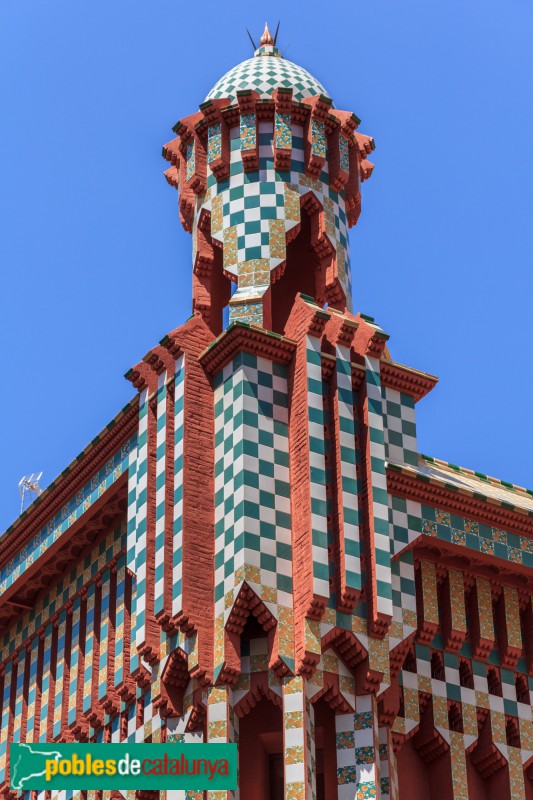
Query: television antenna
[29, 485]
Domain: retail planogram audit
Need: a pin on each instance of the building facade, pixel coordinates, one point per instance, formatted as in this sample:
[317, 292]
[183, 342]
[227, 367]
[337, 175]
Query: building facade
[253, 550]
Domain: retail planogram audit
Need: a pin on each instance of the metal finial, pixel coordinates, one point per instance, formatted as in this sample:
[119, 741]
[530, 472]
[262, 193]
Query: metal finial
[267, 37]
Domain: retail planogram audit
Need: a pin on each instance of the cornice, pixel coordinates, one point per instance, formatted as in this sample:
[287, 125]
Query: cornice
[54, 497]
[240, 336]
[407, 380]
[473, 564]
[406, 482]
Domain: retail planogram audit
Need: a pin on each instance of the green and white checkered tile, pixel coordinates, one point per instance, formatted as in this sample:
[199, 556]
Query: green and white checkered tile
[48, 605]
[403, 599]
[141, 522]
[130, 552]
[252, 212]
[348, 427]
[405, 518]
[252, 498]
[399, 419]
[379, 487]
[317, 476]
[160, 492]
[179, 420]
[470, 699]
[263, 73]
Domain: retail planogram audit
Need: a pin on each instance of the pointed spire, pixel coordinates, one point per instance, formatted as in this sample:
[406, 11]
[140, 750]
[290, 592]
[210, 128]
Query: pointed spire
[267, 37]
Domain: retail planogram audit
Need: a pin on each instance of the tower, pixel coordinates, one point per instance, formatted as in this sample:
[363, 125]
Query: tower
[253, 550]
[269, 174]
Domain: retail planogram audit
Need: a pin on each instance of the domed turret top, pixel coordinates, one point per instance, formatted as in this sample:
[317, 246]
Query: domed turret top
[264, 73]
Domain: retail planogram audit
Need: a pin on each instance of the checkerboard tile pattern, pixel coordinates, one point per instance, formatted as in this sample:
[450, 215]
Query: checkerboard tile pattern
[263, 73]
[405, 519]
[141, 524]
[404, 620]
[160, 489]
[399, 424]
[477, 536]
[348, 429]
[179, 420]
[378, 489]
[53, 646]
[252, 499]
[51, 603]
[252, 212]
[450, 689]
[319, 524]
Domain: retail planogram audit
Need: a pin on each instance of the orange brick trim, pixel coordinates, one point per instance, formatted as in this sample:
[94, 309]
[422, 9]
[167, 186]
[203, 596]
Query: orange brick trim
[488, 510]
[407, 380]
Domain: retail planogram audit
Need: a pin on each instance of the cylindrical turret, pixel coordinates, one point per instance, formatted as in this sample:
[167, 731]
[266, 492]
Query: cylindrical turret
[269, 177]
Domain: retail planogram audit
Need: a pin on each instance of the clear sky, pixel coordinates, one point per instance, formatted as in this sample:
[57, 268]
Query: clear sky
[96, 267]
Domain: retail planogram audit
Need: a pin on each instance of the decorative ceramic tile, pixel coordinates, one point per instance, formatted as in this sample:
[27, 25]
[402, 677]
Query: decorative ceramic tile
[263, 73]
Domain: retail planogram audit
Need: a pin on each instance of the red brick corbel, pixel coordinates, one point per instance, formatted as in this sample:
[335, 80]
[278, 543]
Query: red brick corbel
[187, 130]
[211, 111]
[346, 125]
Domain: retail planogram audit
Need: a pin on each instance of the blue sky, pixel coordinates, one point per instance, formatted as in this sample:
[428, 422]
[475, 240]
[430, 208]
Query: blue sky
[96, 268]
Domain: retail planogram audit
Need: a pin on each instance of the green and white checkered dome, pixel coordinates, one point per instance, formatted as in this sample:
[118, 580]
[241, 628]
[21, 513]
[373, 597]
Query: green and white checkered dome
[264, 73]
